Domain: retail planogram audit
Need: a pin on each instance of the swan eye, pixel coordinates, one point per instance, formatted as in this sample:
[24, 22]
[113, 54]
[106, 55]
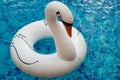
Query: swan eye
[58, 14]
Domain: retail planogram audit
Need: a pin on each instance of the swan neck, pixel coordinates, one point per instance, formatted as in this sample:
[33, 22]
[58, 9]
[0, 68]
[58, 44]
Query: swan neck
[64, 45]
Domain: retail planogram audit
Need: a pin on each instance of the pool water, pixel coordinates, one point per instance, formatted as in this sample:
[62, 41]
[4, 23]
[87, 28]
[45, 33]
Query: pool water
[45, 46]
[97, 20]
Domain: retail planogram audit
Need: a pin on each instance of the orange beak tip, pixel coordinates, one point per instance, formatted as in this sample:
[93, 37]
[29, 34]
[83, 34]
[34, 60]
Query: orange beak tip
[69, 30]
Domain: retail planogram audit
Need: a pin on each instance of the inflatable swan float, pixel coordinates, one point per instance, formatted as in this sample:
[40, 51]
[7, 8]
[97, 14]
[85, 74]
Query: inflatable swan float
[70, 44]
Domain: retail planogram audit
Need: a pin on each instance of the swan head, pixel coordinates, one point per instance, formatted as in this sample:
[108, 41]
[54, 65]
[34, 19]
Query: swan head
[67, 21]
[60, 10]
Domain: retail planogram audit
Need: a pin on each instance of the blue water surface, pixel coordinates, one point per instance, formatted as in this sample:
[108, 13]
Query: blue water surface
[97, 20]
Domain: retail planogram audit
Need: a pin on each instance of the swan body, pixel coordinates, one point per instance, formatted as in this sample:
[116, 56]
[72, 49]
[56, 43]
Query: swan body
[70, 50]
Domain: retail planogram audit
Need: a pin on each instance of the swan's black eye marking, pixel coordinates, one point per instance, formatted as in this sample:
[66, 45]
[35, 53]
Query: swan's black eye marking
[45, 22]
[58, 14]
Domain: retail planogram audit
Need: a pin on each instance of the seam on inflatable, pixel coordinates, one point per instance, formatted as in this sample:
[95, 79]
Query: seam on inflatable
[21, 59]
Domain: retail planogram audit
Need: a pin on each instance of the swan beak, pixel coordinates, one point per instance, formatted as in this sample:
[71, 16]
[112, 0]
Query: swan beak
[68, 27]
[69, 30]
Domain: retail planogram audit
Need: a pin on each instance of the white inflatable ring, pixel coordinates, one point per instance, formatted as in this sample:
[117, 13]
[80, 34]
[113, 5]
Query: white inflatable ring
[70, 51]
